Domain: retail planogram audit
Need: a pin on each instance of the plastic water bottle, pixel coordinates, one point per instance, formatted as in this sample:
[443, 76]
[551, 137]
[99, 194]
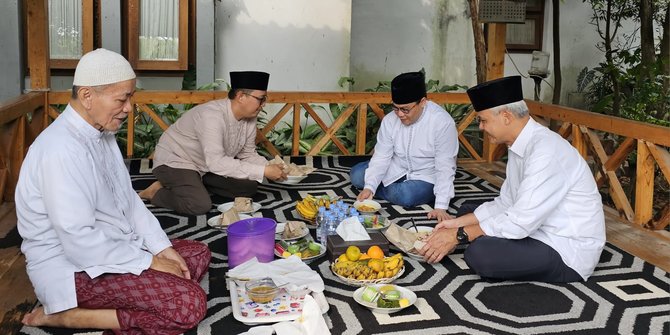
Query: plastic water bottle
[320, 222]
[330, 227]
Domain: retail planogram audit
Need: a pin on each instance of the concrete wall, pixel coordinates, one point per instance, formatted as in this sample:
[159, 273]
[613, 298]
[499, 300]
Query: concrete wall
[303, 44]
[395, 36]
[11, 80]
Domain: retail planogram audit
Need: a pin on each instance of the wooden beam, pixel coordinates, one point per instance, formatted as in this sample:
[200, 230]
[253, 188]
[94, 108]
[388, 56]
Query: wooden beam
[16, 157]
[662, 158]
[295, 150]
[323, 126]
[21, 105]
[644, 184]
[614, 161]
[37, 25]
[361, 128]
[332, 130]
[273, 122]
[578, 141]
[155, 117]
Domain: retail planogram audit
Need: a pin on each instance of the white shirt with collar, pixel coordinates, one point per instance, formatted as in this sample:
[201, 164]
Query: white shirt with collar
[549, 195]
[424, 150]
[77, 211]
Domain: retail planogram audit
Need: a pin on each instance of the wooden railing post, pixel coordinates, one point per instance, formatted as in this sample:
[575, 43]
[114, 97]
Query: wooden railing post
[38, 44]
[296, 129]
[644, 184]
[495, 68]
[361, 125]
[578, 141]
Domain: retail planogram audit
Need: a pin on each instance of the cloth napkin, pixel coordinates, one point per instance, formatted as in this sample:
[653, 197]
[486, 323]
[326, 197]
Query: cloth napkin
[350, 229]
[311, 322]
[291, 271]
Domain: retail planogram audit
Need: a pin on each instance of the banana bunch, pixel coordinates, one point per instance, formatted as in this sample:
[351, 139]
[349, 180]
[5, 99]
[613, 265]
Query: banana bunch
[369, 269]
[309, 207]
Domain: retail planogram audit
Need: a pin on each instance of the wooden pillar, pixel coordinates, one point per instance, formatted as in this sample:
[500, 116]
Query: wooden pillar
[579, 141]
[361, 127]
[295, 150]
[644, 184]
[495, 68]
[37, 24]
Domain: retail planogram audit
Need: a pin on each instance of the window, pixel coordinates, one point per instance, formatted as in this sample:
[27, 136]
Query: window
[70, 31]
[157, 34]
[528, 36]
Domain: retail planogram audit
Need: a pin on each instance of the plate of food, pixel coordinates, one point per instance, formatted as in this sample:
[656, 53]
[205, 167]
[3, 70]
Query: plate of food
[384, 298]
[374, 222]
[305, 248]
[421, 235]
[242, 209]
[292, 180]
[291, 230]
[367, 206]
[215, 221]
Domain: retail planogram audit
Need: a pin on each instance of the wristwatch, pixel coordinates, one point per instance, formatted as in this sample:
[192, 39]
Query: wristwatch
[461, 236]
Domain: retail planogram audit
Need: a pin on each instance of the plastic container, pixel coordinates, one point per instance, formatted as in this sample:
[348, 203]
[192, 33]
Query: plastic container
[249, 238]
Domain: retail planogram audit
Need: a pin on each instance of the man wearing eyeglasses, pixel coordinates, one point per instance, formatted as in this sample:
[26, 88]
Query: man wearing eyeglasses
[414, 162]
[212, 148]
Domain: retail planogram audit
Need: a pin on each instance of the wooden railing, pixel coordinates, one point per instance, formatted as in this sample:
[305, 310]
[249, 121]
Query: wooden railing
[24, 117]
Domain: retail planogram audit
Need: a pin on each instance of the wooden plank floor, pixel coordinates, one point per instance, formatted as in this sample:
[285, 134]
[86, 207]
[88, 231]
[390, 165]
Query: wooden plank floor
[18, 297]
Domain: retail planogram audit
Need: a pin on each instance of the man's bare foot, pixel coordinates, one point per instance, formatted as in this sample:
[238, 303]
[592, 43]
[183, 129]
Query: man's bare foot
[150, 191]
[36, 318]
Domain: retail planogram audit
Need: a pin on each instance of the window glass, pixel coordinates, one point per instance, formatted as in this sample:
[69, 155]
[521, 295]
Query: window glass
[159, 30]
[65, 29]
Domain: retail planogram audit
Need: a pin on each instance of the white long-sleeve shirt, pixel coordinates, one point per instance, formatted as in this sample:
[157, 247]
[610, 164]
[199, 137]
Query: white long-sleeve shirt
[77, 211]
[424, 150]
[208, 138]
[549, 195]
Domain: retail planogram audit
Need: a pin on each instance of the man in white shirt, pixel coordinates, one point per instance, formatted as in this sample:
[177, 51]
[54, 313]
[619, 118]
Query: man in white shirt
[548, 223]
[95, 255]
[212, 148]
[414, 162]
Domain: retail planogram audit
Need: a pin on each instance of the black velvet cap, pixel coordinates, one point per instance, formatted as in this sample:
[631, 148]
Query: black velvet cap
[408, 87]
[251, 80]
[496, 93]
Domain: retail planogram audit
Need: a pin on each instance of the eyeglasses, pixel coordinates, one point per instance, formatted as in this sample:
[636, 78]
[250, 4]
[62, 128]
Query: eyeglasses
[403, 110]
[260, 100]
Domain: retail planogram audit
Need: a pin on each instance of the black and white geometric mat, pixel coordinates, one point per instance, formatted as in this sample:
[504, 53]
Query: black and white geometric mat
[625, 295]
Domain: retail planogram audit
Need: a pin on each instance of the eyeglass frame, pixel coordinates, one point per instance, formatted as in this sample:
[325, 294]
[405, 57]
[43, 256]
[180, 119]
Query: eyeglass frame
[405, 110]
[260, 100]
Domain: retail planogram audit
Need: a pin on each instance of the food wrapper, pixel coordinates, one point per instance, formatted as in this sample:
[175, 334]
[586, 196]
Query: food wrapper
[243, 204]
[406, 240]
[292, 169]
[293, 229]
[229, 217]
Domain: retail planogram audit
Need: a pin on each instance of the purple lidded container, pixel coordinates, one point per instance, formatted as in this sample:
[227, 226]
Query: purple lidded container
[249, 238]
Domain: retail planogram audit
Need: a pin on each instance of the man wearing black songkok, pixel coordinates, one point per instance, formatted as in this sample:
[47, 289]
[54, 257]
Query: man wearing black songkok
[212, 148]
[415, 157]
[548, 223]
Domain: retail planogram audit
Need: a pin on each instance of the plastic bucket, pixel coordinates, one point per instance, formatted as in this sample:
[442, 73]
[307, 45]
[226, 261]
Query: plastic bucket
[249, 238]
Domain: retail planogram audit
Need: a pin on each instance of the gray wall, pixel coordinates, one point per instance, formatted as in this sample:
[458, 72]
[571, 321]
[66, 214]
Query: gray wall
[10, 53]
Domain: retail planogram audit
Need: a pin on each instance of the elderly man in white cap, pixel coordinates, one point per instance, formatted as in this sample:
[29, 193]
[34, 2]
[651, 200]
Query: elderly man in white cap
[547, 224]
[95, 255]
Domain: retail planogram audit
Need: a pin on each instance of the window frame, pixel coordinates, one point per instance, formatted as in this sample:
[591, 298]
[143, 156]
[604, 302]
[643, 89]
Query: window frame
[536, 14]
[132, 13]
[87, 37]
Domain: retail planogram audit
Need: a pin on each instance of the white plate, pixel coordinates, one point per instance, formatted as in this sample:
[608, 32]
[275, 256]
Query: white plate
[367, 202]
[228, 205]
[280, 229]
[385, 223]
[421, 229]
[405, 293]
[308, 259]
[291, 180]
[214, 221]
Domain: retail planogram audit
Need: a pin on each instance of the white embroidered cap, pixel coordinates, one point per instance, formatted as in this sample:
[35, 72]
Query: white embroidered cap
[102, 67]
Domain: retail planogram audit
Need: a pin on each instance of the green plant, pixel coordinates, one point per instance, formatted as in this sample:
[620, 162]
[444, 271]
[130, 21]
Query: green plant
[584, 78]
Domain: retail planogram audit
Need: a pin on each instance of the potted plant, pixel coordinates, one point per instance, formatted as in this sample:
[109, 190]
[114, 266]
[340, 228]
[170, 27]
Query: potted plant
[577, 99]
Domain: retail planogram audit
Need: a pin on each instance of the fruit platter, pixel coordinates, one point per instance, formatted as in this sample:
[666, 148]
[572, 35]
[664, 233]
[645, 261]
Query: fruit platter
[308, 207]
[360, 269]
[305, 248]
[384, 298]
[375, 222]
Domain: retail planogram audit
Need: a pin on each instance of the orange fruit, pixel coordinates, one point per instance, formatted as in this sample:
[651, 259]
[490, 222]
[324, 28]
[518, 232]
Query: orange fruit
[353, 253]
[375, 252]
[364, 256]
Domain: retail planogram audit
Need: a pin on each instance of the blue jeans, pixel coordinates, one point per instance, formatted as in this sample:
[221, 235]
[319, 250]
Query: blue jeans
[406, 193]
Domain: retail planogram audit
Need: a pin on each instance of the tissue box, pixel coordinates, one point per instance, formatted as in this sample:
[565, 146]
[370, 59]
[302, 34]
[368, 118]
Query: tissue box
[336, 246]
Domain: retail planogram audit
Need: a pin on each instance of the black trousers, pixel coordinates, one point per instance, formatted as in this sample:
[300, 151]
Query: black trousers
[526, 259]
[185, 192]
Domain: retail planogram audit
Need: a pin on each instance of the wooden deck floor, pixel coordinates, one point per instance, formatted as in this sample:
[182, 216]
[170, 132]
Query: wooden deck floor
[18, 297]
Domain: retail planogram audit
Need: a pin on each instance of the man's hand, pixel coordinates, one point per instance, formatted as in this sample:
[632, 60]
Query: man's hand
[365, 194]
[274, 172]
[170, 261]
[439, 214]
[439, 244]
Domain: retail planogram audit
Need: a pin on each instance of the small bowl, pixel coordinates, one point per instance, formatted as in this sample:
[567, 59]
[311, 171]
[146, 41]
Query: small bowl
[367, 206]
[298, 291]
[292, 180]
[261, 291]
